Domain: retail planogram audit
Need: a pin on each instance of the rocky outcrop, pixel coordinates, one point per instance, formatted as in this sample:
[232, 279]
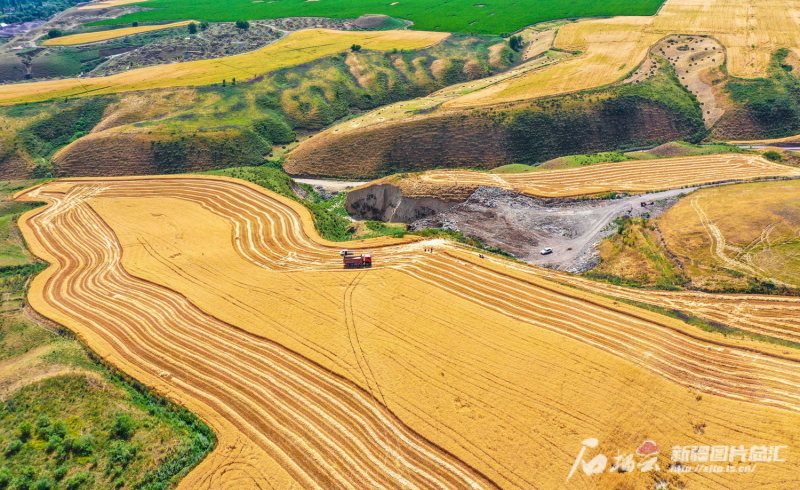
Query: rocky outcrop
[386, 202]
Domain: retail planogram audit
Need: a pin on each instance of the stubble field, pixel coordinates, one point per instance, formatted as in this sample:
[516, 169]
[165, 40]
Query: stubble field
[611, 48]
[430, 370]
[762, 239]
[626, 176]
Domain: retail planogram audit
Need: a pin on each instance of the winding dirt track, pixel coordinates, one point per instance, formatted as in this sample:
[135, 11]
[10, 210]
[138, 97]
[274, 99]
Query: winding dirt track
[212, 330]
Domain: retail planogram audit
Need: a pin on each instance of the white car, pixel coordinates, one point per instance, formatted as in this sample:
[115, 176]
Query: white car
[546, 251]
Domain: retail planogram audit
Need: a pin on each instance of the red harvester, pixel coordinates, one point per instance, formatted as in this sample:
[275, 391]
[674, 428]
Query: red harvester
[352, 260]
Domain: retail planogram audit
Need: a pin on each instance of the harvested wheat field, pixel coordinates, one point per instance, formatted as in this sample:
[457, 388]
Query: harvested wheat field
[93, 37]
[294, 49]
[430, 370]
[761, 240]
[611, 48]
[628, 176]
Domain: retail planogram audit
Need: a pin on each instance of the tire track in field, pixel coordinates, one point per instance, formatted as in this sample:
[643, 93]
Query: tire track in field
[265, 231]
[326, 432]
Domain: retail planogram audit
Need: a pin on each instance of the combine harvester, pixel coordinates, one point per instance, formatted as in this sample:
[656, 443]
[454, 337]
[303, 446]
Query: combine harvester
[352, 260]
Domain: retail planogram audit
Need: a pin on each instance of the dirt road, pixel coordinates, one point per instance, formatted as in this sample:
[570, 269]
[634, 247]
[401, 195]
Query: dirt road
[524, 226]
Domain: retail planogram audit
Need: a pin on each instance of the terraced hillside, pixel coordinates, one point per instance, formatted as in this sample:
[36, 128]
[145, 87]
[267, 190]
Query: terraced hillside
[431, 370]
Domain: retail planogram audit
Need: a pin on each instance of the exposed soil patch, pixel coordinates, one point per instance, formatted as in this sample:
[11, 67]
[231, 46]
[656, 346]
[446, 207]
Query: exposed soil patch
[524, 226]
[697, 61]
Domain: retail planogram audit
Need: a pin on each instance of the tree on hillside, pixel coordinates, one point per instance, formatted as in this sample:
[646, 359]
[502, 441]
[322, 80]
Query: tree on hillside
[192, 28]
[355, 48]
[53, 33]
[515, 43]
[203, 26]
[243, 25]
[135, 24]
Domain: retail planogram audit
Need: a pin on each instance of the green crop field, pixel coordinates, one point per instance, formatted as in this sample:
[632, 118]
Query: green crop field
[491, 17]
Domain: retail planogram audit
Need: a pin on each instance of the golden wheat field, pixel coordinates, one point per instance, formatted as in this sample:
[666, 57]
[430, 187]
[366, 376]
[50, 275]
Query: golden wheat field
[102, 4]
[628, 176]
[430, 370]
[93, 37]
[762, 239]
[611, 48]
[294, 49]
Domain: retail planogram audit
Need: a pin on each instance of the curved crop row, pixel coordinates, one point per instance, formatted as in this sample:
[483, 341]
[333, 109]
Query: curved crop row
[429, 371]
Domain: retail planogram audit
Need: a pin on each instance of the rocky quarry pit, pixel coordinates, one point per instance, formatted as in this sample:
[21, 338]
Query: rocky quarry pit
[518, 224]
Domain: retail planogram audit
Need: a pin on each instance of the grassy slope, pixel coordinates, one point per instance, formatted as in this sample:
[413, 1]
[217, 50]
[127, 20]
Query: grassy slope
[294, 49]
[57, 425]
[182, 120]
[452, 16]
[677, 251]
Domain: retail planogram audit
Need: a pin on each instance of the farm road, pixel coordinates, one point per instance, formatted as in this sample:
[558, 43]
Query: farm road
[523, 225]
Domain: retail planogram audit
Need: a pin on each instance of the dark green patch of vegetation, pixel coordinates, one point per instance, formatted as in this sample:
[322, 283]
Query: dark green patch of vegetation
[67, 429]
[68, 123]
[274, 130]
[515, 43]
[455, 16]
[773, 155]
[379, 228]
[772, 102]
[600, 120]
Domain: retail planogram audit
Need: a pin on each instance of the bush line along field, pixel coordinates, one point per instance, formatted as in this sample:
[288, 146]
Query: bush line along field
[166, 245]
[294, 49]
[91, 37]
[454, 16]
[66, 421]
